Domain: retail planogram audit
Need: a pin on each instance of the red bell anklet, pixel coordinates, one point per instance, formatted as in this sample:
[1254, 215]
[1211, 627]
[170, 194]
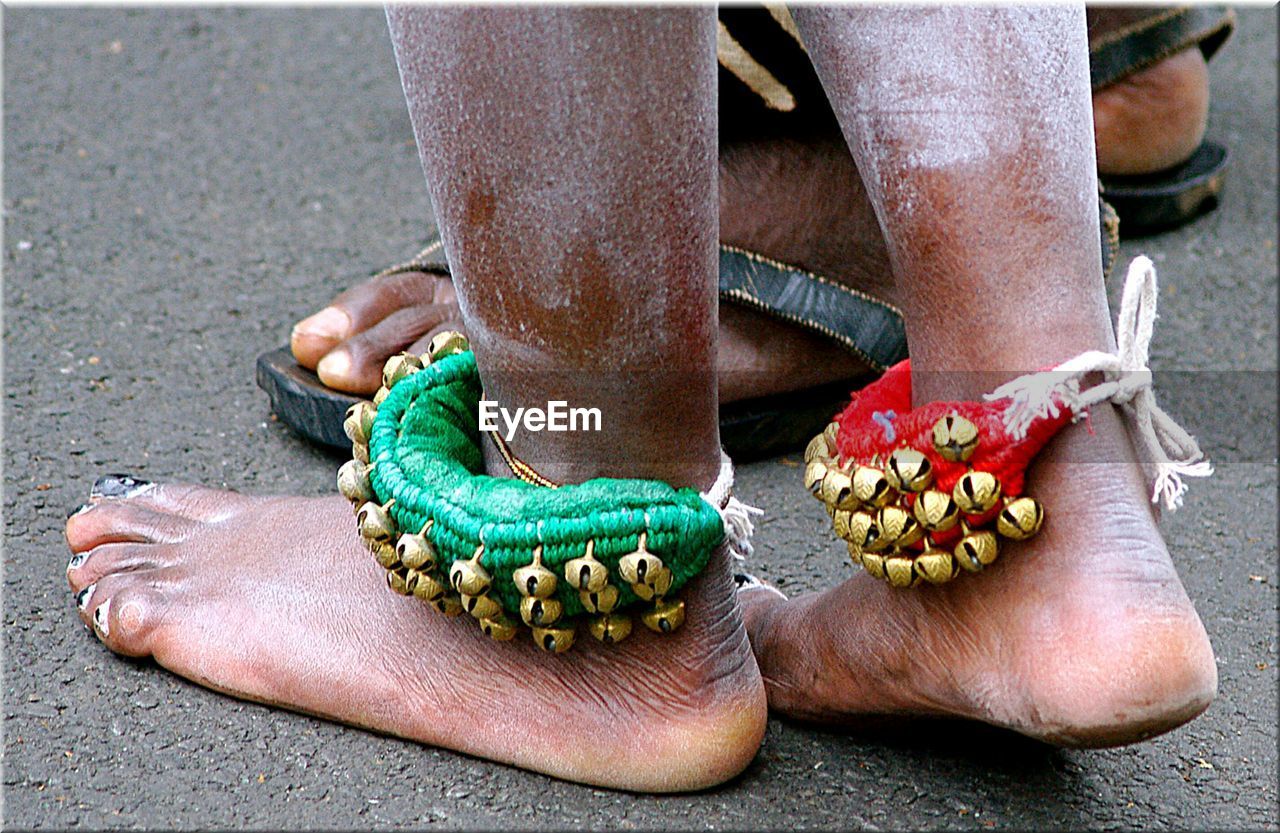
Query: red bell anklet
[920, 494]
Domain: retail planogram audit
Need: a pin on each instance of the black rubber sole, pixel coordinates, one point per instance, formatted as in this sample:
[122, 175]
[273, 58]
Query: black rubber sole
[749, 430]
[1167, 199]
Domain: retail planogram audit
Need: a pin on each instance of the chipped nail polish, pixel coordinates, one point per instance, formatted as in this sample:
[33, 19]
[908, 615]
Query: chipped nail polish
[82, 598]
[118, 485]
[84, 507]
[100, 620]
[76, 560]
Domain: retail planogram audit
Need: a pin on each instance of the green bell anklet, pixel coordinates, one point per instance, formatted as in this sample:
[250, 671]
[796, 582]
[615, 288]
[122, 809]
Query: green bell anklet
[505, 550]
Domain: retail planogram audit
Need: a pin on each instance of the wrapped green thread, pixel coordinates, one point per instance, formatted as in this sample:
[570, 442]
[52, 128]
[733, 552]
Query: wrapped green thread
[425, 447]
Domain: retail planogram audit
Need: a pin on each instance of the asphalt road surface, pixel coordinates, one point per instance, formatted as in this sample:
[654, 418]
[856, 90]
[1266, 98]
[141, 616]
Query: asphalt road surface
[182, 184]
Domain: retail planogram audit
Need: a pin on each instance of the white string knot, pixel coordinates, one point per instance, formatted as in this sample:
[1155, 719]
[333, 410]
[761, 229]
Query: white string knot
[1169, 452]
[734, 514]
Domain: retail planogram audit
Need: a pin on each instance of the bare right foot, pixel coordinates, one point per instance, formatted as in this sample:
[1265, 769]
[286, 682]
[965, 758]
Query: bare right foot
[1083, 636]
[275, 600]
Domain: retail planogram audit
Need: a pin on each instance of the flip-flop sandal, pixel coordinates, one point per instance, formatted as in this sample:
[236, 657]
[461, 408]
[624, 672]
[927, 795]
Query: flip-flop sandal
[750, 429]
[1175, 196]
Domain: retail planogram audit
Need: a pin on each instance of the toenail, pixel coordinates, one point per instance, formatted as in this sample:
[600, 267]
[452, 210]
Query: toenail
[82, 598]
[329, 322]
[84, 507]
[335, 365]
[76, 560]
[118, 485]
[100, 620]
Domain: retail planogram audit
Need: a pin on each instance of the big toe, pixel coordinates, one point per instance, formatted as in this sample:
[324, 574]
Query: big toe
[317, 334]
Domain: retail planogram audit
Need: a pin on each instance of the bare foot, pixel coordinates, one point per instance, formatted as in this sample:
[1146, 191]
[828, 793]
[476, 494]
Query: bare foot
[274, 600]
[1082, 636]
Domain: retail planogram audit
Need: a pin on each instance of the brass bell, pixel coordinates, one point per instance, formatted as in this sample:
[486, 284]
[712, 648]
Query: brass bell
[431, 589]
[399, 366]
[380, 396]
[384, 553]
[535, 580]
[353, 482]
[936, 510]
[936, 566]
[415, 551]
[358, 424]
[1020, 518]
[840, 523]
[836, 490]
[897, 527]
[446, 344]
[360, 453]
[481, 607]
[863, 532]
[665, 616]
[585, 573]
[976, 550]
[976, 492]
[498, 627]
[448, 605]
[540, 612]
[909, 470]
[470, 578]
[375, 522]
[899, 570]
[657, 584]
[818, 449]
[396, 581]
[870, 487]
[830, 433]
[610, 629]
[814, 473]
[601, 601]
[955, 438]
[554, 640]
[873, 563]
[637, 567]
[411, 578]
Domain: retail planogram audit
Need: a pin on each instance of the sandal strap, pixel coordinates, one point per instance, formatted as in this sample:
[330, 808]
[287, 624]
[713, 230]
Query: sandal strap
[1148, 41]
[869, 328]
[430, 259]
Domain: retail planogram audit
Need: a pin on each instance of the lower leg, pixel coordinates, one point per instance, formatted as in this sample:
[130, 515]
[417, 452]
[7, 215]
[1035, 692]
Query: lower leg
[275, 600]
[1084, 635]
[769, 206]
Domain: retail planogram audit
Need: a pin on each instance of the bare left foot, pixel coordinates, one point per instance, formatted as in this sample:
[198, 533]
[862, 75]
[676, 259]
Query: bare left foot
[275, 600]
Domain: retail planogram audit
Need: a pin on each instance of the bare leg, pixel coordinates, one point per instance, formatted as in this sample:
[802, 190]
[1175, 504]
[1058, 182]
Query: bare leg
[575, 185]
[981, 170]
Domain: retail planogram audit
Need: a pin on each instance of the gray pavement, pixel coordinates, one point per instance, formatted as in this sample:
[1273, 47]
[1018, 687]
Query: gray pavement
[182, 184]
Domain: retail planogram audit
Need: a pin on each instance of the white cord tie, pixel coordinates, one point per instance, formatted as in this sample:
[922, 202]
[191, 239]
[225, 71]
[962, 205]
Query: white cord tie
[736, 515]
[1169, 452]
